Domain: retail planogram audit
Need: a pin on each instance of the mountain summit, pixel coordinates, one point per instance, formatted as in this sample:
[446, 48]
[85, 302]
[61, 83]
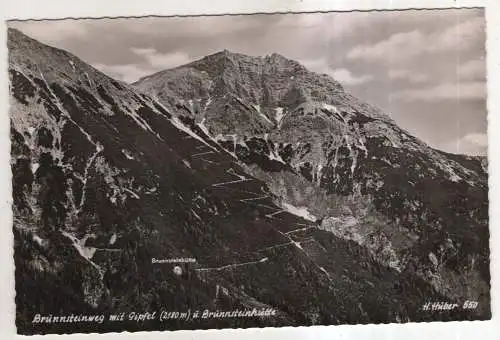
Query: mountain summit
[282, 191]
[258, 90]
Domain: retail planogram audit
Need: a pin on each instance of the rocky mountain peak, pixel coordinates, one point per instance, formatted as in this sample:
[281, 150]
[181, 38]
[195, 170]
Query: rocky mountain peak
[251, 71]
[259, 93]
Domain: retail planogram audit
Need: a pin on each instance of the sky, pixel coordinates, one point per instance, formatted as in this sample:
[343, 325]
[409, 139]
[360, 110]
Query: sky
[425, 68]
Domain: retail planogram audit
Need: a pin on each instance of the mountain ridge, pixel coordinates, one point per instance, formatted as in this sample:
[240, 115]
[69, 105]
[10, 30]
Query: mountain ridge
[231, 56]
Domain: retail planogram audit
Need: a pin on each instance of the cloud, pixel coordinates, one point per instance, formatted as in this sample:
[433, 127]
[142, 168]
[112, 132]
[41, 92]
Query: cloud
[480, 139]
[473, 143]
[155, 62]
[408, 75]
[193, 27]
[410, 44]
[346, 77]
[459, 36]
[162, 61]
[127, 73]
[420, 54]
[52, 31]
[446, 91]
[472, 69]
[342, 75]
[405, 44]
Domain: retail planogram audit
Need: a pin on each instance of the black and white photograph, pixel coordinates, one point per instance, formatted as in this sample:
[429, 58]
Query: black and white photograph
[248, 171]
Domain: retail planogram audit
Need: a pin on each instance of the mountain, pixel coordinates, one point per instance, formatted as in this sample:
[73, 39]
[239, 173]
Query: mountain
[358, 174]
[107, 178]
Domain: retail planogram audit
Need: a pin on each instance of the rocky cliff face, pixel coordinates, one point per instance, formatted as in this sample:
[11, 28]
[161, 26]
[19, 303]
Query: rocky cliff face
[356, 173]
[106, 178]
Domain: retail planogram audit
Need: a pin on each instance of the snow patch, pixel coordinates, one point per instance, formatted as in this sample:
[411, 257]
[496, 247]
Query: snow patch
[353, 165]
[34, 167]
[433, 259]
[363, 147]
[85, 252]
[318, 173]
[127, 154]
[208, 102]
[152, 190]
[112, 240]
[132, 193]
[257, 108]
[299, 211]
[386, 161]
[89, 80]
[85, 175]
[273, 155]
[324, 271]
[196, 215]
[330, 108]
[38, 240]
[334, 109]
[278, 115]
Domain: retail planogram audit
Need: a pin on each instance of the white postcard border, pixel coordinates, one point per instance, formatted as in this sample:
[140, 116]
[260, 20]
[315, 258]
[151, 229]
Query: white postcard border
[38, 9]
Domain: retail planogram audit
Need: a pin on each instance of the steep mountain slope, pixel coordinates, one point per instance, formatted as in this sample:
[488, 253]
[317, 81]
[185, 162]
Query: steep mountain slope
[345, 163]
[105, 179]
